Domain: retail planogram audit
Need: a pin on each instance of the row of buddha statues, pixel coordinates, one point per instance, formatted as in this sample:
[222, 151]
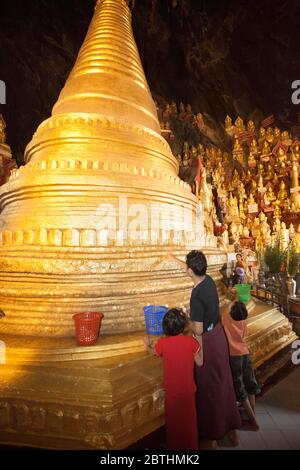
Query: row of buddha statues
[263, 194]
[249, 188]
[182, 112]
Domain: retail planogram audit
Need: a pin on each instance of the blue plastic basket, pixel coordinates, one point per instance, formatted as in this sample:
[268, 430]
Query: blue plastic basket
[154, 315]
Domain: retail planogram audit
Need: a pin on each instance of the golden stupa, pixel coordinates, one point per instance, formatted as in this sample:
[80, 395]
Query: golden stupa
[88, 218]
[87, 224]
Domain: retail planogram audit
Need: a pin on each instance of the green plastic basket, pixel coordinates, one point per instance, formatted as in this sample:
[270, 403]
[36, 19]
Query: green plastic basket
[243, 292]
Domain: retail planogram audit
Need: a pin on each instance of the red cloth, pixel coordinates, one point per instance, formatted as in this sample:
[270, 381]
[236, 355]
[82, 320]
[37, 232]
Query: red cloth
[178, 353]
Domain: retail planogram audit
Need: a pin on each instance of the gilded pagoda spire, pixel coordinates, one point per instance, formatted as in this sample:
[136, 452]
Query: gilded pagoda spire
[98, 160]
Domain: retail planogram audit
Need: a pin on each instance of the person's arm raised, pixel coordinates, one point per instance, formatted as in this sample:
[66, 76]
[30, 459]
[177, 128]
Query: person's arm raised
[181, 263]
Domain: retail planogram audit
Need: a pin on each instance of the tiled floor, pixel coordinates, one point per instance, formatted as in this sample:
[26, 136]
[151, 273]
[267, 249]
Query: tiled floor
[278, 414]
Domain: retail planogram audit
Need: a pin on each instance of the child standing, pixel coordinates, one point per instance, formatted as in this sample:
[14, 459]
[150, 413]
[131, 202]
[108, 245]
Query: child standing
[179, 352]
[246, 387]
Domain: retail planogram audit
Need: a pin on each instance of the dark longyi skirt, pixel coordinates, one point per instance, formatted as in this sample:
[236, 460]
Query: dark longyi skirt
[216, 401]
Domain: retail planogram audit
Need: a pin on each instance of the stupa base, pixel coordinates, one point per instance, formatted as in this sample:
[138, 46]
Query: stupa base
[56, 395]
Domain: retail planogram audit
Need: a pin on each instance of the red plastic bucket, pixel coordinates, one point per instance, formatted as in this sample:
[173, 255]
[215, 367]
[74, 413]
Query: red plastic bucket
[87, 326]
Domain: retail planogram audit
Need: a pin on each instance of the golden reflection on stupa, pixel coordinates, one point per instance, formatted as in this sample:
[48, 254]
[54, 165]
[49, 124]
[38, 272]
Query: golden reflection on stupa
[98, 155]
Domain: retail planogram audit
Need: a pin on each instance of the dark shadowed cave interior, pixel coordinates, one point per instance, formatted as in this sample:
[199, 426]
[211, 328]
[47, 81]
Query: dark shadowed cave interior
[223, 57]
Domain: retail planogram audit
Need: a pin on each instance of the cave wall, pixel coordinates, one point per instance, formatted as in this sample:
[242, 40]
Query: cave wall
[229, 56]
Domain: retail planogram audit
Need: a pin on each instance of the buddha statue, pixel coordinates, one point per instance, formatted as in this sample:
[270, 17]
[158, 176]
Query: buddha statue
[283, 169]
[266, 151]
[199, 121]
[282, 194]
[245, 232]
[295, 196]
[277, 211]
[281, 156]
[225, 236]
[251, 199]
[2, 130]
[270, 135]
[216, 178]
[193, 151]
[285, 138]
[234, 233]
[254, 147]
[270, 194]
[239, 124]
[200, 150]
[205, 194]
[269, 172]
[228, 122]
[235, 179]
[248, 176]
[291, 231]
[242, 191]
[230, 208]
[238, 152]
[260, 169]
[261, 217]
[297, 153]
[266, 200]
[251, 160]
[284, 236]
[251, 127]
[276, 226]
[219, 155]
[265, 230]
[260, 184]
[277, 135]
[255, 227]
[296, 239]
[242, 214]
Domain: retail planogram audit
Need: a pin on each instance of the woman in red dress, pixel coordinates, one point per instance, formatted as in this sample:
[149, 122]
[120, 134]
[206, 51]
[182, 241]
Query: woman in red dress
[179, 352]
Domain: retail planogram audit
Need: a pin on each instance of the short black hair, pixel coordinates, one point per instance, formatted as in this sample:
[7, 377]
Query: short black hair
[239, 311]
[197, 262]
[174, 322]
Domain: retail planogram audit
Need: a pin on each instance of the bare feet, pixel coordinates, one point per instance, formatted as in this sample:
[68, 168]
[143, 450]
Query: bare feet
[250, 413]
[234, 437]
[207, 444]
